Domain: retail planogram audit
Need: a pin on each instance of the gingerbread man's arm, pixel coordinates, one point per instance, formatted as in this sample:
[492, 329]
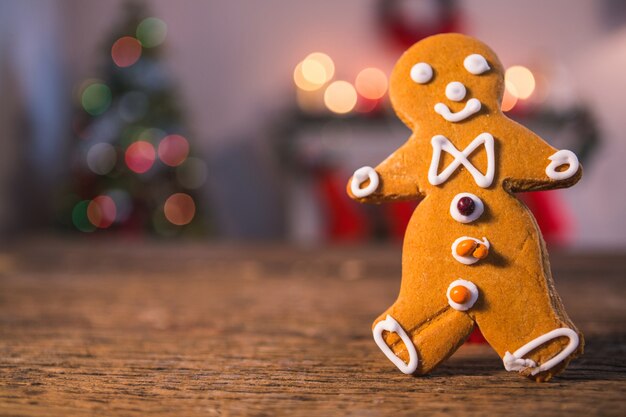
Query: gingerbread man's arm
[394, 179]
[528, 163]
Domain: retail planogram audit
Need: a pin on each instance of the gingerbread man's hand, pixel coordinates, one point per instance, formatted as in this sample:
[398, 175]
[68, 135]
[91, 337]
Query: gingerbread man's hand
[559, 159]
[361, 176]
[393, 179]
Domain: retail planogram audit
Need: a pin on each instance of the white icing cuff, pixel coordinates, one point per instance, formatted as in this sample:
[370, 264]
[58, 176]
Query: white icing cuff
[359, 177]
[515, 362]
[562, 157]
[472, 289]
[469, 259]
[391, 325]
[472, 106]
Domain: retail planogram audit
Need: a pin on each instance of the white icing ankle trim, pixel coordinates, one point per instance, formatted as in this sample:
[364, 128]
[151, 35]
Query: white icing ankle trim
[472, 106]
[472, 289]
[391, 325]
[562, 157]
[359, 177]
[469, 259]
[515, 361]
[479, 208]
[440, 142]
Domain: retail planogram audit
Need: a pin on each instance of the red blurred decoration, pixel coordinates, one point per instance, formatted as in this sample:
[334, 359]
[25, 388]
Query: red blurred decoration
[553, 216]
[140, 156]
[126, 51]
[476, 337]
[408, 22]
[101, 211]
[345, 222]
[173, 150]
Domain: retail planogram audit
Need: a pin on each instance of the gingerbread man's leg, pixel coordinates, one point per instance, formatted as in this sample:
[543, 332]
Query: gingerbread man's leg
[418, 343]
[539, 343]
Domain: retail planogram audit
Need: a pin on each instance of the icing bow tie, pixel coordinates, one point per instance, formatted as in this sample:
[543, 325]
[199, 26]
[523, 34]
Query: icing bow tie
[441, 143]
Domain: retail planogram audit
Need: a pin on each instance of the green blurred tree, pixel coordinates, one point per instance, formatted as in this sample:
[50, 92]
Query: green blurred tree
[132, 164]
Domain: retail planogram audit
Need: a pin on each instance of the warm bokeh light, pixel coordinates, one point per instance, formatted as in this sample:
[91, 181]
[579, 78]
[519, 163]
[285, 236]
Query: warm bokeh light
[96, 98]
[365, 105]
[101, 158]
[151, 32]
[509, 99]
[371, 83]
[173, 150]
[101, 211]
[79, 217]
[340, 97]
[126, 51]
[314, 71]
[179, 209]
[302, 82]
[140, 156]
[522, 79]
[322, 60]
[192, 173]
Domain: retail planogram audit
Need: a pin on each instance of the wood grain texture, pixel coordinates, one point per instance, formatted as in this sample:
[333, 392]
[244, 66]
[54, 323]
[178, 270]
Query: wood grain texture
[137, 328]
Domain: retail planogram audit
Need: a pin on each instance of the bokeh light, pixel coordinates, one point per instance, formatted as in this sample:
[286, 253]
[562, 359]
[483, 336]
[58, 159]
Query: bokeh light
[96, 98]
[79, 217]
[371, 83]
[192, 173]
[314, 71]
[101, 158]
[140, 156]
[126, 51]
[123, 203]
[101, 211]
[173, 150]
[509, 99]
[523, 80]
[302, 82]
[179, 209]
[340, 97]
[133, 106]
[151, 32]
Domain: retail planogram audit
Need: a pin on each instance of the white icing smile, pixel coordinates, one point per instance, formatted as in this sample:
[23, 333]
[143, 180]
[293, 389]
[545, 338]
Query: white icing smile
[472, 106]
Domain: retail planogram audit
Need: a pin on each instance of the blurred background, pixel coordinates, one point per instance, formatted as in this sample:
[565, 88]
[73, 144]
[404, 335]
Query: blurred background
[243, 120]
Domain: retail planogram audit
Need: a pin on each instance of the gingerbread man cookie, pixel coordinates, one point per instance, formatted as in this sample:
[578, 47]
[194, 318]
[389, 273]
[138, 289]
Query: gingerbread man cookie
[472, 254]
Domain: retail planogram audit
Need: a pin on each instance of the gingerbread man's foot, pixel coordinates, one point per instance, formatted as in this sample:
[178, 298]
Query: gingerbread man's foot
[391, 325]
[515, 361]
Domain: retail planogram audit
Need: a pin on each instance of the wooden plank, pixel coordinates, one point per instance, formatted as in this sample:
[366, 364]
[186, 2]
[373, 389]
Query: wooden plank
[131, 328]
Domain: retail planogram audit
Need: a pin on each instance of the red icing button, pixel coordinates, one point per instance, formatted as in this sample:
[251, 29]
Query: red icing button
[466, 206]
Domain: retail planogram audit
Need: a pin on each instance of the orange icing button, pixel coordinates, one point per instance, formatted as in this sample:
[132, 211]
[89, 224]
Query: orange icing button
[460, 294]
[481, 252]
[465, 247]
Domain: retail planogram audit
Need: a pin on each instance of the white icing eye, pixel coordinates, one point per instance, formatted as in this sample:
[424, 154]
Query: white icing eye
[421, 73]
[455, 91]
[476, 64]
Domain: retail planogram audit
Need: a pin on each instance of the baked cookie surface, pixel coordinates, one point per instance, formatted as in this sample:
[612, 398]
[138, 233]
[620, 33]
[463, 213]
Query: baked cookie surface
[472, 252]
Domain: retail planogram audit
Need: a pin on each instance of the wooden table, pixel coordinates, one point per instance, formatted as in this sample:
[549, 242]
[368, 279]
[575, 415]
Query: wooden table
[136, 328]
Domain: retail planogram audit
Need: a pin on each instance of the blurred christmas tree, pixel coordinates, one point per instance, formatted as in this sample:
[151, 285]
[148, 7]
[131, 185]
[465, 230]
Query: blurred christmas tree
[132, 165]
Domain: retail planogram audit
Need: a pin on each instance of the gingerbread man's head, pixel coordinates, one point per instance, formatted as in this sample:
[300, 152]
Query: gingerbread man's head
[451, 75]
